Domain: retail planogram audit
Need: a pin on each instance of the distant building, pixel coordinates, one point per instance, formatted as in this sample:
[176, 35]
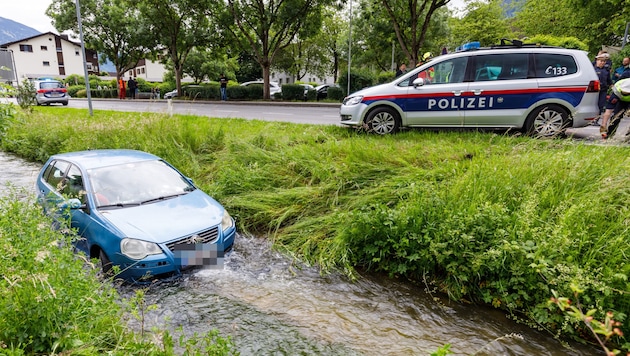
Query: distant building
[50, 55]
[286, 78]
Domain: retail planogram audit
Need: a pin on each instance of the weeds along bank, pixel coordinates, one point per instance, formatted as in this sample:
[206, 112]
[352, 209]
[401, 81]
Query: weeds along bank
[51, 301]
[494, 219]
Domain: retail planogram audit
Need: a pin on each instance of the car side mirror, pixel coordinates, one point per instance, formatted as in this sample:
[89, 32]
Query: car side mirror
[418, 82]
[73, 203]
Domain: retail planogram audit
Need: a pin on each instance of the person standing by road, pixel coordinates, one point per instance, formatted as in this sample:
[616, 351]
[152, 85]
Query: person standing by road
[605, 81]
[121, 89]
[133, 87]
[402, 69]
[625, 65]
[223, 81]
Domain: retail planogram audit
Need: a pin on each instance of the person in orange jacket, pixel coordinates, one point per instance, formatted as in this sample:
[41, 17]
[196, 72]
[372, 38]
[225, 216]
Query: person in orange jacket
[122, 92]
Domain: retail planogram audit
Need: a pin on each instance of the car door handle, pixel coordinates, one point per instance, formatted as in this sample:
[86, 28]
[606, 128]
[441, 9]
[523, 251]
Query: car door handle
[477, 91]
[457, 92]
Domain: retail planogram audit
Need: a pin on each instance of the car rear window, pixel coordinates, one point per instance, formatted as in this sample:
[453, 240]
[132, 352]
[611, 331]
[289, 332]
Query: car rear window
[550, 65]
[50, 85]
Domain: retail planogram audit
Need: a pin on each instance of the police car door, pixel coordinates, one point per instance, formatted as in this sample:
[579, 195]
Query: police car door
[500, 91]
[436, 102]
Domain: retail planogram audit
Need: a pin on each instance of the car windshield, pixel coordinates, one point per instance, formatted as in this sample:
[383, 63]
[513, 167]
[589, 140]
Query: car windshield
[137, 183]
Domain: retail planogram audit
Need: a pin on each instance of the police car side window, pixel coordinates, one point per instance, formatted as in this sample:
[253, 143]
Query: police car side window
[444, 72]
[554, 65]
[504, 66]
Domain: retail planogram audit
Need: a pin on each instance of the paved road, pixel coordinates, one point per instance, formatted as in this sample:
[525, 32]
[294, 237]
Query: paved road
[294, 112]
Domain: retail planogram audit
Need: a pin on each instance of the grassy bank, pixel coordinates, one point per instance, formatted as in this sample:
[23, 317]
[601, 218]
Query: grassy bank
[53, 303]
[496, 219]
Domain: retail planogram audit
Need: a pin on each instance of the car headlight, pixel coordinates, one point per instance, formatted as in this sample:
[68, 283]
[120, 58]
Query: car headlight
[138, 249]
[353, 100]
[227, 221]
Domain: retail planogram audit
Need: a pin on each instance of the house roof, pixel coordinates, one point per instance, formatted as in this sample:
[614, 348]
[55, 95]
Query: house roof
[63, 37]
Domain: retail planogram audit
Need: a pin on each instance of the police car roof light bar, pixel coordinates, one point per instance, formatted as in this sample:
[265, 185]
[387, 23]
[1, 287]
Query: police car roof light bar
[468, 46]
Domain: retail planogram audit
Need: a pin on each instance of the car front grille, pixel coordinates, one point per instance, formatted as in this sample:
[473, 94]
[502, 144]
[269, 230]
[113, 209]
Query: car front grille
[204, 237]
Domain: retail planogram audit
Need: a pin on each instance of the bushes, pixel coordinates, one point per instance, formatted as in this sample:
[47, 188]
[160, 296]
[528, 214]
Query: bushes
[335, 93]
[52, 302]
[292, 92]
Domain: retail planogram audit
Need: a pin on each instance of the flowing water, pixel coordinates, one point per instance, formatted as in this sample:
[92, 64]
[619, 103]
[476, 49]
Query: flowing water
[271, 305]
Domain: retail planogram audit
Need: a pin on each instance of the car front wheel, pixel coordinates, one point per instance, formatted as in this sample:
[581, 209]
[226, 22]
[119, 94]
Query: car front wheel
[383, 121]
[547, 121]
[106, 265]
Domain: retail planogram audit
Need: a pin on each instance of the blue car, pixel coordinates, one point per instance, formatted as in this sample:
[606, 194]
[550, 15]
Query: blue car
[135, 211]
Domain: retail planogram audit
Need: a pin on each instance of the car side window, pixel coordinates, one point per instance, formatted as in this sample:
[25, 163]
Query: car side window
[501, 66]
[444, 72]
[74, 184]
[55, 173]
[550, 65]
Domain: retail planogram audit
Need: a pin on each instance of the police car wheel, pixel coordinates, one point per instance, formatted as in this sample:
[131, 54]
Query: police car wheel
[383, 121]
[547, 121]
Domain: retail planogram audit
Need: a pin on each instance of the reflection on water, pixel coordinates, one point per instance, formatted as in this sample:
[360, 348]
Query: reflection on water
[271, 306]
[16, 173]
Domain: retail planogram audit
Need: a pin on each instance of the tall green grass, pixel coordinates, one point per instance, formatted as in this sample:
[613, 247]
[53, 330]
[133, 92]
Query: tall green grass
[52, 301]
[497, 219]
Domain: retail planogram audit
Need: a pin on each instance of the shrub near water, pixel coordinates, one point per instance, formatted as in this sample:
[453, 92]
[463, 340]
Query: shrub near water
[492, 218]
[52, 303]
[47, 299]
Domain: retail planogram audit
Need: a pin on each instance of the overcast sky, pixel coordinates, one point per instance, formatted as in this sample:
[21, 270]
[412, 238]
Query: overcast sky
[32, 13]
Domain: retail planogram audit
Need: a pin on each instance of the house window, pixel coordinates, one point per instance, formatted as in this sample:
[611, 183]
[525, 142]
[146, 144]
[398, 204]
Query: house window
[88, 66]
[76, 53]
[26, 48]
[142, 70]
[44, 48]
[46, 64]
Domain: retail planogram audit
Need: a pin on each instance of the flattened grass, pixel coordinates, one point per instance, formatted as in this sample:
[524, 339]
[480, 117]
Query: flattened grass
[493, 218]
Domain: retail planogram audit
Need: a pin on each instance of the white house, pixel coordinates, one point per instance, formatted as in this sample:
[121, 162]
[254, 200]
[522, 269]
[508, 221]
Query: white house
[52, 55]
[49, 55]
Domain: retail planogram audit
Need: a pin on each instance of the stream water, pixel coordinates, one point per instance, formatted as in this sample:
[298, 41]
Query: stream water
[271, 305]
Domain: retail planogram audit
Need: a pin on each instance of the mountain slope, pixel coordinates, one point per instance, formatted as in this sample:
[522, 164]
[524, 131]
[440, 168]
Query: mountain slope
[11, 31]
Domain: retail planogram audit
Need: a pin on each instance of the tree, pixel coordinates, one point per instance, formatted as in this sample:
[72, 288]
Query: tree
[484, 22]
[175, 28]
[109, 27]
[267, 26]
[203, 64]
[410, 20]
[302, 57]
[374, 41]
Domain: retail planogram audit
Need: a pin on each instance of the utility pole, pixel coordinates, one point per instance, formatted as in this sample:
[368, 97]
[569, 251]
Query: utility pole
[349, 48]
[85, 71]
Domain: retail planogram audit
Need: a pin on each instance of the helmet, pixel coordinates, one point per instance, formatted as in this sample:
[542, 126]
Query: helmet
[426, 56]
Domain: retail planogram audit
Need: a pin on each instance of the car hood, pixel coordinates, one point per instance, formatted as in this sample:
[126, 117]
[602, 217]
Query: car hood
[375, 90]
[167, 220]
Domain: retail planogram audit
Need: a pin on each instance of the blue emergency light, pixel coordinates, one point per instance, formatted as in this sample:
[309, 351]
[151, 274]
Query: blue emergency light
[468, 46]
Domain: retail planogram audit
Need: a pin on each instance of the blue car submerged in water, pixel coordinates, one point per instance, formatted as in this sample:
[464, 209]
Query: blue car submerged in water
[135, 211]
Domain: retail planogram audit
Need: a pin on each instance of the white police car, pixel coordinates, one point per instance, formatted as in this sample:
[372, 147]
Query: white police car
[50, 91]
[540, 90]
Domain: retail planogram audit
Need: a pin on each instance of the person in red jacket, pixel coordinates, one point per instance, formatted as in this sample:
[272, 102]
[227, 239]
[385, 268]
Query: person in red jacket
[121, 89]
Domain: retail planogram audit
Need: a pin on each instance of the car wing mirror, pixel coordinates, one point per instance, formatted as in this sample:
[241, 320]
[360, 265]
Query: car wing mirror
[73, 203]
[418, 82]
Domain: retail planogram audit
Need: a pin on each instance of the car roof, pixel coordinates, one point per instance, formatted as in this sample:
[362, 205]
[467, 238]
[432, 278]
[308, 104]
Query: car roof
[258, 82]
[106, 157]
